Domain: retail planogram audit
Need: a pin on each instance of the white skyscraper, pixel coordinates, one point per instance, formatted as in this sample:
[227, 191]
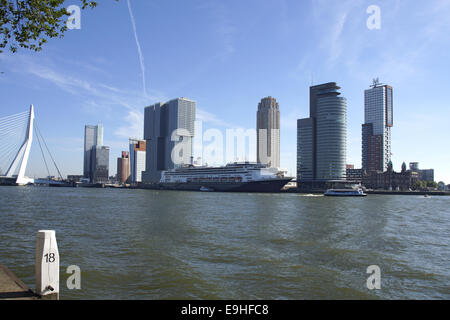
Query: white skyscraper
[137, 159]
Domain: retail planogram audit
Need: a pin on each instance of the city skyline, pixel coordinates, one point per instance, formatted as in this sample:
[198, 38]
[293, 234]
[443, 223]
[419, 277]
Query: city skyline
[225, 74]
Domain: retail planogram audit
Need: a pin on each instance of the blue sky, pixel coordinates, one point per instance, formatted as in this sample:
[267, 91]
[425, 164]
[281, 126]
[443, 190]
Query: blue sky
[227, 55]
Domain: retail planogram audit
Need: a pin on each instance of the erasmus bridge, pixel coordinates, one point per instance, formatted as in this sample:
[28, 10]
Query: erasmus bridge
[16, 136]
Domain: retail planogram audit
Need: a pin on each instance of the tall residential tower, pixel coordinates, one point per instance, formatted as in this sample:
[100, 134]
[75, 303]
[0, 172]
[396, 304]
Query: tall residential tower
[268, 132]
[376, 130]
[322, 138]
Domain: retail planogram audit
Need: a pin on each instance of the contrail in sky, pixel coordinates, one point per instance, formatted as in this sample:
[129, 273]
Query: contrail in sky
[141, 58]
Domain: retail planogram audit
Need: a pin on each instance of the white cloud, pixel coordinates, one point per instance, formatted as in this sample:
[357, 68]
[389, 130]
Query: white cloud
[334, 41]
[222, 26]
[134, 127]
[212, 119]
[138, 45]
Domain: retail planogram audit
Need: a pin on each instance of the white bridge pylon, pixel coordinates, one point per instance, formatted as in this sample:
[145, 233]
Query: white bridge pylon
[21, 158]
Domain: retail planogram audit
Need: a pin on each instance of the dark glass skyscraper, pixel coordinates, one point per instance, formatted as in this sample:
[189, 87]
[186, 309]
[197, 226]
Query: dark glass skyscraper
[93, 136]
[100, 164]
[322, 138]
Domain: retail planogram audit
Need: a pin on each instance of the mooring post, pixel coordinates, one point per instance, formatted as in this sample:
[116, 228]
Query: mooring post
[47, 265]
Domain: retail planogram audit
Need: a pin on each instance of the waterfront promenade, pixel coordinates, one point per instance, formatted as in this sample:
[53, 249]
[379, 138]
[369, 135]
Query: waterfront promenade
[410, 193]
[12, 288]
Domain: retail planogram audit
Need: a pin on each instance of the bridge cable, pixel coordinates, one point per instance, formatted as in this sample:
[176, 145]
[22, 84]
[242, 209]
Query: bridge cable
[48, 150]
[14, 117]
[12, 133]
[7, 128]
[43, 156]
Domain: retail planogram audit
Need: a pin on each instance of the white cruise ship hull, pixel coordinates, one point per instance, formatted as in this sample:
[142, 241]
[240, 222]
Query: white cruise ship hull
[272, 185]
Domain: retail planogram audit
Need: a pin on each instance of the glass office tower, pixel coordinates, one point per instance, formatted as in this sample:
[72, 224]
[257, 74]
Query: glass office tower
[376, 130]
[93, 136]
[322, 138]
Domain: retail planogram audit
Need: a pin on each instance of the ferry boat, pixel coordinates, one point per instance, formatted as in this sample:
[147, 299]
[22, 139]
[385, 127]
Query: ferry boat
[236, 177]
[345, 193]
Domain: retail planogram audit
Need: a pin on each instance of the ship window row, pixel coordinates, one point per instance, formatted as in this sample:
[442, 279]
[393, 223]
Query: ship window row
[203, 173]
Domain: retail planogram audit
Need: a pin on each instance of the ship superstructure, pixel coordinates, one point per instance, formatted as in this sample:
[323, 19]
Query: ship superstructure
[237, 176]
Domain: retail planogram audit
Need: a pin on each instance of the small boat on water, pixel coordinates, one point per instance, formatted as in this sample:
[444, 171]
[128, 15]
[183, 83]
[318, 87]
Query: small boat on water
[206, 189]
[345, 193]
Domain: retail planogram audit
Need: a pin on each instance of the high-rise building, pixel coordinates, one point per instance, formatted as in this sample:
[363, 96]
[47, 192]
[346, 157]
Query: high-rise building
[322, 138]
[376, 130]
[423, 174]
[414, 166]
[169, 133]
[100, 168]
[426, 175]
[137, 159]
[268, 132]
[93, 136]
[123, 168]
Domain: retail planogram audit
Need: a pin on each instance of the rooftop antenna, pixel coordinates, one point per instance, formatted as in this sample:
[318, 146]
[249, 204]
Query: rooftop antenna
[376, 83]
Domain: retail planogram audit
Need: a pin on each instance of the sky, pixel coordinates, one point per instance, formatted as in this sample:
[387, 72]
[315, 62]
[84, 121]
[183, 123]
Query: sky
[227, 56]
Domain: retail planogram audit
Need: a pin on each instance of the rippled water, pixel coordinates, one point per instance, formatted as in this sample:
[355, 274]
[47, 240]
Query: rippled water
[145, 244]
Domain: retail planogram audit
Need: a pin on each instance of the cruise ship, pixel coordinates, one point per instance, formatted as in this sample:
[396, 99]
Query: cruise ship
[236, 177]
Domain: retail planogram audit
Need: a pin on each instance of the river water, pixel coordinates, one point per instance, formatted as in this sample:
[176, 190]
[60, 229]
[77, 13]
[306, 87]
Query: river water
[148, 244]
